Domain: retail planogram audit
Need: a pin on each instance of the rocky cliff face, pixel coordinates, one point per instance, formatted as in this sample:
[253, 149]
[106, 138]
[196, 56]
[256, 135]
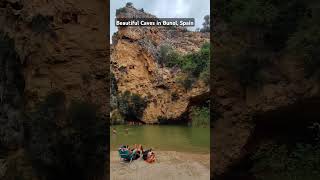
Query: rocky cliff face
[241, 109]
[46, 46]
[59, 46]
[134, 55]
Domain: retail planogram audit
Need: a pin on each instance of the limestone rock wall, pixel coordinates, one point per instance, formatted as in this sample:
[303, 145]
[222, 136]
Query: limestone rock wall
[284, 84]
[134, 62]
[61, 47]
[45, 46]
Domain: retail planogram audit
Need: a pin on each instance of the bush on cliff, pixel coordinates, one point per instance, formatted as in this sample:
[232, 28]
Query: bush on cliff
[305, 43]
[121, 10]
[192, 63]
[129, 4]
[116, 117]
[131, 105]
[195, 65]
[283, 162]
[200, 116]
[248, 68]
[206, 24]
[205, 75]
[169, 57]
[269, 29]
[186, 81]
[67, 142]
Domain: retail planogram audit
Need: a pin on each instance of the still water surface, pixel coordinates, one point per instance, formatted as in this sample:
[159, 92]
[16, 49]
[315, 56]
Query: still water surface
[163, 137]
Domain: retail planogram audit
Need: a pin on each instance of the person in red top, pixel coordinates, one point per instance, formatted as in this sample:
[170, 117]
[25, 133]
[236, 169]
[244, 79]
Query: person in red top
[151, 157]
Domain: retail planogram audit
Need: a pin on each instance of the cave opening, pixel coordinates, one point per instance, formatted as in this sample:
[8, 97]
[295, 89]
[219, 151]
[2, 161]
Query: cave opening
[134, 120]
[181, 120]
[185, 119]
[286, 128]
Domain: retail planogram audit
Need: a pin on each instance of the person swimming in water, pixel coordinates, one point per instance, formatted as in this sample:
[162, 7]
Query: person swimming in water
[114, 131]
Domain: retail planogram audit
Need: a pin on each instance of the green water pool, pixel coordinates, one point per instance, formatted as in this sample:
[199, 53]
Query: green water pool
[162, 137]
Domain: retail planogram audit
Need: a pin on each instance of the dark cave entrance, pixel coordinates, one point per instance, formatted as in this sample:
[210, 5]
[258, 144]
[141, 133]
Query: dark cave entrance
[287, 126]
[184, 119]
[133, 121]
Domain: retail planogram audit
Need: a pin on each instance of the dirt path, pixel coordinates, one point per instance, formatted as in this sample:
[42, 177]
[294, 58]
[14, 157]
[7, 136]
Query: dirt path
[171, 166]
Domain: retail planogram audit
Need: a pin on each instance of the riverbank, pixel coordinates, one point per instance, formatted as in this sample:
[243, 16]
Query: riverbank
[171, 166]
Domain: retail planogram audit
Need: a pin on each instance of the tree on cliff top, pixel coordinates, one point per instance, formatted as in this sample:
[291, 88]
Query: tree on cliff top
[206, 24]
[129, 4]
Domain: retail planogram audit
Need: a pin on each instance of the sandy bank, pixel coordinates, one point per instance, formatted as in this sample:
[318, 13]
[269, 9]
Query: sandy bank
[171, 166]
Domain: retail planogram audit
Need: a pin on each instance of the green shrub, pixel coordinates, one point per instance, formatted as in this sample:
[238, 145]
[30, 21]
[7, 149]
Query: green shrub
[192, 64]
[116, 118]
[67, 142]
[121, 10]
[305, 43]
[282, 162]
[205, 75]
[164, 51]
[195, 63]
[169, 57]
[129, 4]
[131, 105]
[206, 24]
[200, 116]
[41, 23]
[173, 59]
[247, 67]
[186, 81]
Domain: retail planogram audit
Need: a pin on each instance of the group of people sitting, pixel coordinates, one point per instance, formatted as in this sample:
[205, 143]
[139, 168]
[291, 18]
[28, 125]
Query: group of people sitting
[136, 152]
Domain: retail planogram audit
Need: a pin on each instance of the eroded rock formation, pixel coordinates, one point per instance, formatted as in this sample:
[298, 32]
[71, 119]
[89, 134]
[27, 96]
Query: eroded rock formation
[60, 47]
[46, 46]
[285, 85]
[134, 55]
